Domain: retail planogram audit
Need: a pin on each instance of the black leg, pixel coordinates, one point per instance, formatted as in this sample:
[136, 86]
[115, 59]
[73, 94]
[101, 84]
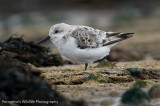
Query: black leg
[86, 64]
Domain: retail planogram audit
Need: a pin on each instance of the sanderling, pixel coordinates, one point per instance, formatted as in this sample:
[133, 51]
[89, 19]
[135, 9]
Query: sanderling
[83, 44]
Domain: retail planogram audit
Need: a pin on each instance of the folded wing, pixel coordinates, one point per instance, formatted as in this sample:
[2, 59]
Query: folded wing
[88, 37]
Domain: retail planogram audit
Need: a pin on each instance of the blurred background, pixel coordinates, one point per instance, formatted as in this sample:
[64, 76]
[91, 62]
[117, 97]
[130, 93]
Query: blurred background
[33, 19]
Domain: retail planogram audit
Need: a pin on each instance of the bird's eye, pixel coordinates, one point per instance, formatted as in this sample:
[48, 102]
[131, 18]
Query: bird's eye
[56, 31]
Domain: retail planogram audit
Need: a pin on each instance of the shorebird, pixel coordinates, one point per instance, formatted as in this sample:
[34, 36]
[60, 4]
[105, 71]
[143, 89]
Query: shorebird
[83, 44]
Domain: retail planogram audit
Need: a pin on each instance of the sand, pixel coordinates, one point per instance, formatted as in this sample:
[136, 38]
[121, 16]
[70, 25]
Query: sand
[71, 80]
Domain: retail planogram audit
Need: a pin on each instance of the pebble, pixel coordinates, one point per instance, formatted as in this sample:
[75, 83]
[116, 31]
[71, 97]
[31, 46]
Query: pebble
[154, 91]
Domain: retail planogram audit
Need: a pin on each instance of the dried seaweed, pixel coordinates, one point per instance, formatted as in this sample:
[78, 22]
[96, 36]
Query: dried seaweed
[29, 52]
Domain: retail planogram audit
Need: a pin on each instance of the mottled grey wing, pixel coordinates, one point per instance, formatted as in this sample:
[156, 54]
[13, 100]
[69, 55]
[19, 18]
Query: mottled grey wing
[88, 37]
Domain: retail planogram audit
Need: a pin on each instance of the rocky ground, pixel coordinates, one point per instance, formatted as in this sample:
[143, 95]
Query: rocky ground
[75, 83]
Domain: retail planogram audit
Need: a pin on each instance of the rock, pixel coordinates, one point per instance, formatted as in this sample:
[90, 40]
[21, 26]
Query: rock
[154, 91]
[29, 52]
[144, 73]
[133, 71]
[19, 82]
[135, 97]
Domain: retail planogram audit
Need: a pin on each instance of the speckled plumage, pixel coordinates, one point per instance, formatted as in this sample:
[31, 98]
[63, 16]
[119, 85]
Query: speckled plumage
[88, 37]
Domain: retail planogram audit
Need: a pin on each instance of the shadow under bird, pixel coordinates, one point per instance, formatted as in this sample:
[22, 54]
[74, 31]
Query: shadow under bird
[83, 44]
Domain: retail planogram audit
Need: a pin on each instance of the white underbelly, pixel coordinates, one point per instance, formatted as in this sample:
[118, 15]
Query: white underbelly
[85, 55]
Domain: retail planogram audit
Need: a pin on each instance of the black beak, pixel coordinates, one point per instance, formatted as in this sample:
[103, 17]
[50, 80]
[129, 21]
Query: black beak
[43, 40]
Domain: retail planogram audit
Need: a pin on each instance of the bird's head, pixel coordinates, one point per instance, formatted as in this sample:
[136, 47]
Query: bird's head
[56, 33]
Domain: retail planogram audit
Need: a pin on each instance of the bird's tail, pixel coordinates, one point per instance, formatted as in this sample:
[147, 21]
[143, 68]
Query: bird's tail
[115, 37]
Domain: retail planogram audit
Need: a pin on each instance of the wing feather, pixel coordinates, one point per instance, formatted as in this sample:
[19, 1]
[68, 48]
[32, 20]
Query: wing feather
[88, 37]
